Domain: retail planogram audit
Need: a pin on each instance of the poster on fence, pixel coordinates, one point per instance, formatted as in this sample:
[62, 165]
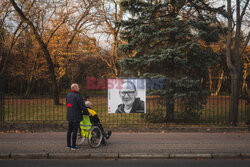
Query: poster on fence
[126, 95]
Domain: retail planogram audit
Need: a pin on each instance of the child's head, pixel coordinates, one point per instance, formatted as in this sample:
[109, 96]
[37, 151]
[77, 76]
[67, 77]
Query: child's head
[88, 104]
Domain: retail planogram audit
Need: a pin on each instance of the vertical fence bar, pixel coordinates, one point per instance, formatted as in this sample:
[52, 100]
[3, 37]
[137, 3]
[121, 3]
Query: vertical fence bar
[205, 111]
[225, 111]
[41, 104]
[217, 112]
[19, 108]
[48, 109]
[209, 109]
[61, 108]
[25, 110]
[247, 105]
[241, 111]
[8, 105]
[221, 109]
[247, 101]
[213, 109]
[2, 112]
[32, 109]
[37, 105]
[11, 109]
[29, 108]
[116, 118]
[15, 102]
[106, 112]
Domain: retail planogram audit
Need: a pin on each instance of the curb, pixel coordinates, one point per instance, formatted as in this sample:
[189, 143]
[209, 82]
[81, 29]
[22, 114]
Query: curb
[190, 156]
[104, 155]
[245, 155]
[28, 155]
[75, 155]
[144, 156]
[5, 156]
[78, 155]
[226, 155]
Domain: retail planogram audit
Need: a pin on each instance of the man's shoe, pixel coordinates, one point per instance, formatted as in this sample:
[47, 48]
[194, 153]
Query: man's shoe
[68, 147]
[75, 148]
[109, 134]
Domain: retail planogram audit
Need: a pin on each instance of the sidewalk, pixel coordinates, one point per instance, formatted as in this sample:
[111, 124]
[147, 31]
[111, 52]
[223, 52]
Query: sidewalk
[51, 145]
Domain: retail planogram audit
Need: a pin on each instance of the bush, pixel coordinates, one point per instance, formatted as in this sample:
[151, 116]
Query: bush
[189, 116]
[155, 116]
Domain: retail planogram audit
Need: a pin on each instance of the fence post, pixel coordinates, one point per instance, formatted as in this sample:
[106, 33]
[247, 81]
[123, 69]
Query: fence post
[2, 100]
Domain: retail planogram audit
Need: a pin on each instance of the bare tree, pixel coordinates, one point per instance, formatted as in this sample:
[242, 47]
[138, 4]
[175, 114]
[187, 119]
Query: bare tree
[81, 22]
[110, 13]
[43, 45]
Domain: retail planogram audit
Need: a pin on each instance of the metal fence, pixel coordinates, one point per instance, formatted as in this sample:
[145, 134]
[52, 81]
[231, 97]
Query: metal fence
[39, 107]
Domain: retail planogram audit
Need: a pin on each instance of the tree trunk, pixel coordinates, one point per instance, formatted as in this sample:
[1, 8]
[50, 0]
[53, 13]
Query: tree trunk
[233, 64]
[244, 84]
[235, 69]
[170, 108]
[210, 79]
[29, 86]
[219, 83]
[234, 99]
[170, 103]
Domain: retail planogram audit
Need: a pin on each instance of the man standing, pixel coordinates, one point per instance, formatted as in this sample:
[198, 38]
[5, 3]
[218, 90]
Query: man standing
[75, 106]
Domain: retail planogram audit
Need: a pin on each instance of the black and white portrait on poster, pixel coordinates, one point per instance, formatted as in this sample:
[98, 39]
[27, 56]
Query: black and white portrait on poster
[127, 96]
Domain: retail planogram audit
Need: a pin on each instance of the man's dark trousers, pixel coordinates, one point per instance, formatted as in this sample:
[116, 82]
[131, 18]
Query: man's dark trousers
[73, 127]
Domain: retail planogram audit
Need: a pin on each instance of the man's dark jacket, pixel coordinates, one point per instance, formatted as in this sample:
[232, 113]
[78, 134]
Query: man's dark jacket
[75, 106]
[138, 107]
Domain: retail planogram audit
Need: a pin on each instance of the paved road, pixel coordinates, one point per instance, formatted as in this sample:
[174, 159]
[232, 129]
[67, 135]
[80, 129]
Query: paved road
[125, 163]
[54, 142]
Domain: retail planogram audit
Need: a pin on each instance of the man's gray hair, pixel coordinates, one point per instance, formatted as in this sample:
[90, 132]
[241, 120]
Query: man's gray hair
[88, 104]
[74, 86]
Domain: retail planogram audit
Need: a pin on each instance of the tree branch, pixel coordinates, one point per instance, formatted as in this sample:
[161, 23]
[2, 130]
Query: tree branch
[51, 35]
[245, 44]
[86, 12]
[229, 37]
[244, 10]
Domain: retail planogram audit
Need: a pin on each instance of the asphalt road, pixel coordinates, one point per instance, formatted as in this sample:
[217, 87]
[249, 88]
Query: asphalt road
[125, 163]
